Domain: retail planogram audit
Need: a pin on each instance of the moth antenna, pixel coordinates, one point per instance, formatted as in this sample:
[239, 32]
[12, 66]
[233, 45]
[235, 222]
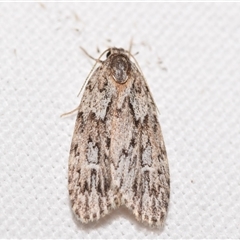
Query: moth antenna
[97, 61]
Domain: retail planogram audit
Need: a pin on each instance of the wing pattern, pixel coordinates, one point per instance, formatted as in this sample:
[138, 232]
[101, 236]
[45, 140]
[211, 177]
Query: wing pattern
[117, 153]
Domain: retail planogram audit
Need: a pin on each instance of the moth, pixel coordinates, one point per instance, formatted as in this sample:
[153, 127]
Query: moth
[117, 155]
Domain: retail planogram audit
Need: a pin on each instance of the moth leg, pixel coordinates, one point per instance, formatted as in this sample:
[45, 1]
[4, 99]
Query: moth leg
[68, 113]
[95, 59]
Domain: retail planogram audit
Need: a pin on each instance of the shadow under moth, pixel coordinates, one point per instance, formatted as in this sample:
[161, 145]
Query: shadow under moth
[117, 155]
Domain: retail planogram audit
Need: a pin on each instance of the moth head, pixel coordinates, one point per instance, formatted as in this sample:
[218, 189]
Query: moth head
[119, 64]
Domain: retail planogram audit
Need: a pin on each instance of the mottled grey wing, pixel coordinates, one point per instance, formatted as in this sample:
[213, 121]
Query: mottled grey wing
[140, 160]
[90, 180]
[117, 154]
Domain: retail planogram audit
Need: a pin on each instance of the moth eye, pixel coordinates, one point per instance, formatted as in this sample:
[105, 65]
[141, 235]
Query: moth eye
[108, 54]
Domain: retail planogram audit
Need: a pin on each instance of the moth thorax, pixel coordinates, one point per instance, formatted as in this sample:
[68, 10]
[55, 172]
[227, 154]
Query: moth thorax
[120, 68]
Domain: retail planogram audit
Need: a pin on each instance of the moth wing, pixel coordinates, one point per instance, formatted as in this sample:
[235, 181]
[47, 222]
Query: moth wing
[143, 172]
[91, 193]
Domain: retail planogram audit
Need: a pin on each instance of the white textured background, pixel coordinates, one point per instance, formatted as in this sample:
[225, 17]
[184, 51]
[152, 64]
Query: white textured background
[41, 71]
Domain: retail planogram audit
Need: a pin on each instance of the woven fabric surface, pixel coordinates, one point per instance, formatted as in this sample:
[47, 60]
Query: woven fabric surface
[189, 54]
